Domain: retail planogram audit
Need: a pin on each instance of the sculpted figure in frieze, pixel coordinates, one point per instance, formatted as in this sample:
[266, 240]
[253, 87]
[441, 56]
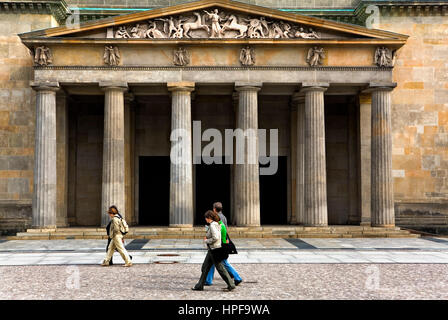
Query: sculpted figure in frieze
[384, 57]
[181, 57]
[247, 56]
[122, 33]
[111, 55]
[43, 56]
[315, 56]
[215, 24]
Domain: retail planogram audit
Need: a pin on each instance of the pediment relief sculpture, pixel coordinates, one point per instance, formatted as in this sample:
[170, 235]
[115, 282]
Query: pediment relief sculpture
[215, 24]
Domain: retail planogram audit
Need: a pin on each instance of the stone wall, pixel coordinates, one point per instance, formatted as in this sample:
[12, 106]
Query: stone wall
[17, 120]
[420, 119]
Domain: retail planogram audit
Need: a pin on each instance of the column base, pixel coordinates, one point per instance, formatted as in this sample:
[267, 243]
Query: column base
[181, 225]
[383, 225]
[315, 225]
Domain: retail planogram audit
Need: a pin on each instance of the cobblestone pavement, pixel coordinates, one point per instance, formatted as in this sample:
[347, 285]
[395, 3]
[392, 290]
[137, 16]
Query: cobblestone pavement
[261, 281]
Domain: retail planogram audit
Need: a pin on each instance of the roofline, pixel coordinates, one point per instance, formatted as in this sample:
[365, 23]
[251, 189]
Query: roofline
[202, 4]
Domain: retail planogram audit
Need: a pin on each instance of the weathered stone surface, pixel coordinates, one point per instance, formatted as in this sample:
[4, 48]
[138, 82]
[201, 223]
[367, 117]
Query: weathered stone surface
[113, 150]
[44, 199]
[382, 180]
[181, 176]
[247, 194]
[315, 168]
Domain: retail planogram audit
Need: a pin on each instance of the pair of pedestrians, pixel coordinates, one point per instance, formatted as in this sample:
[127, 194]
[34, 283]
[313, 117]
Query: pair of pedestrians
[216, 235]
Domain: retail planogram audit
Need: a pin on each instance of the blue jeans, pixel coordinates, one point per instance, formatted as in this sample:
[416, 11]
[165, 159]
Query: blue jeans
[229, 268]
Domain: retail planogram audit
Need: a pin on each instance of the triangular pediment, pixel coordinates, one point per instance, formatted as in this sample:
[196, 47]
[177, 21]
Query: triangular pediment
[216, 20]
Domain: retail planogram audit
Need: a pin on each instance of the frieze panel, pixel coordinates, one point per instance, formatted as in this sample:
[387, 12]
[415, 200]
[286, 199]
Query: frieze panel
[216, 23]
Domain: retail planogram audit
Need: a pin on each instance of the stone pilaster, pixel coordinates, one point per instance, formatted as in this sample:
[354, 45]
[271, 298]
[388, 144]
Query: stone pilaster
[315, 176]
[298, 101]
[382, 210]
[247, 186]
[62, 159]
[181, 174]
[45, 194]
[113, 150]
[129, 129]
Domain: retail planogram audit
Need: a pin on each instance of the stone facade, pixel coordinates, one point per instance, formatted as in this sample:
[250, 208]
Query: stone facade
[17, 119]
[419, 115]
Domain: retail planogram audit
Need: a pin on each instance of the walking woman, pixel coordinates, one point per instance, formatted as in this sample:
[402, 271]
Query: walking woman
[116, 236]
[213, 241]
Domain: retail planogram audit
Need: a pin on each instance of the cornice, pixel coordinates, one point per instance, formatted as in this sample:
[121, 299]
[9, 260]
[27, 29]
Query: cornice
[57, 8]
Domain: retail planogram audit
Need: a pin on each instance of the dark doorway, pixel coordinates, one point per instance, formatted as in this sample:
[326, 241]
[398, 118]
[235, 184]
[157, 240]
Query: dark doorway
[341, 159]
[273, 195]
[212, 185]
[154, 191]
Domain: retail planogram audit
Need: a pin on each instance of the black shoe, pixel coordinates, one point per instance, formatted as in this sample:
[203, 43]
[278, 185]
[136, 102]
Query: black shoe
[197, 289]
[237, 282]
[228, 289]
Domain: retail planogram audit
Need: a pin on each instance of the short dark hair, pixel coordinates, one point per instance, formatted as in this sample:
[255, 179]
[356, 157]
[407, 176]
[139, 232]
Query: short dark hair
[113, 210]
[212, 215]
[217, 206]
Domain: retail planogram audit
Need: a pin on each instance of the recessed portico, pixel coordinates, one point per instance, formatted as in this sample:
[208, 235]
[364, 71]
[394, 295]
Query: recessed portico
[141, 94]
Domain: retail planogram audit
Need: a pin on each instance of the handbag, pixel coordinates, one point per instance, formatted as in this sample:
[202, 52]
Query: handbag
[230, 247]
[219, 254]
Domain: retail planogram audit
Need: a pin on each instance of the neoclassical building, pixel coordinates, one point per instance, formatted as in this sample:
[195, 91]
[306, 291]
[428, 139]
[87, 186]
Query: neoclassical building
[361, 113]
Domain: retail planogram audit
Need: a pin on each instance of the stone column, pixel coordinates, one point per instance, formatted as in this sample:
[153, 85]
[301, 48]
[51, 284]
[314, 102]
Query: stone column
[382, 181]
[62, 159]
[299, 101]
[113, 150]
[315, 167]
[44, 197]
[129, 129]
[247, 186]
[181, 173]
[364, 151]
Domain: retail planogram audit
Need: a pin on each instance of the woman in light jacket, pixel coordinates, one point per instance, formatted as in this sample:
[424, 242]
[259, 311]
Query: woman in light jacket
[213, 241]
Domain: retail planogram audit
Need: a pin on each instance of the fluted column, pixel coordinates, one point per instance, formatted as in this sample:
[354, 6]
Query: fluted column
[247, 186]
[315, 167]
[113, 150]
[44, 197]
[298, 100]
[382, 181]
[181, 174]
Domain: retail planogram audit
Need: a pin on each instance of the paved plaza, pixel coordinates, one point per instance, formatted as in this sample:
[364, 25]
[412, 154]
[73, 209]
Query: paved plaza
[271, 269]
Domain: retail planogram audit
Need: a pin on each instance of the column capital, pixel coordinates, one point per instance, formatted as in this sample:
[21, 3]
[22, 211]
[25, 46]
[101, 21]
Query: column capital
[129, 97]
[45, 85]
[114, 85]
[298, 98]
[184, 86]
[380, 86]
[314, 86]
[248, 86]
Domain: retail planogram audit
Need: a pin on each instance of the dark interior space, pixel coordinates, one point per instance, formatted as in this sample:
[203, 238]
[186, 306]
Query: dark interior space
[273, 195]
[86, 122]
[212, 185]
[341, 151]
[154, 186]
